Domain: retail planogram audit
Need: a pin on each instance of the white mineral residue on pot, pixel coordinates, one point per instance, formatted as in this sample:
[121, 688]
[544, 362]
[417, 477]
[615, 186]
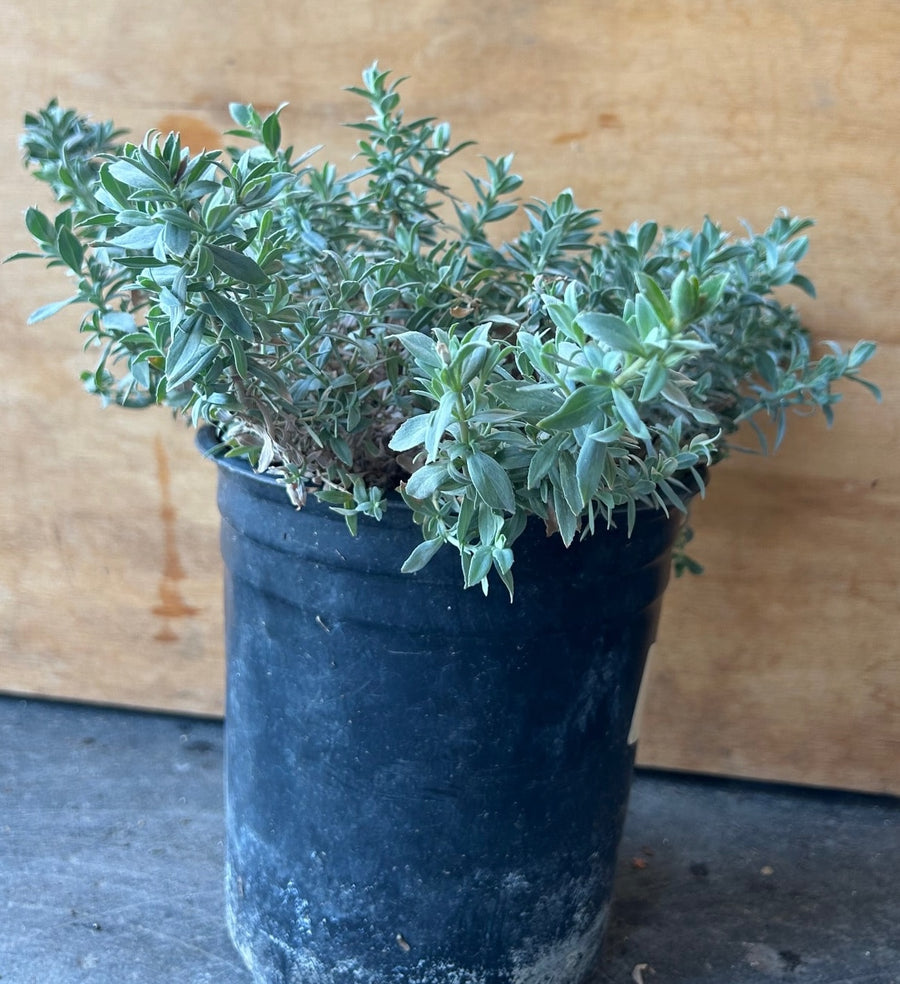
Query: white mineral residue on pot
[424, 972]
[575, 956]
[303, 967]
[570, 960]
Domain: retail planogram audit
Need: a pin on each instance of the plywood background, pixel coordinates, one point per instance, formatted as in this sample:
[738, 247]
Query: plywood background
[783, 662]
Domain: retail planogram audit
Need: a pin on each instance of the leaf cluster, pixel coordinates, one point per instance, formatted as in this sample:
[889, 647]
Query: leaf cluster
[361, 331]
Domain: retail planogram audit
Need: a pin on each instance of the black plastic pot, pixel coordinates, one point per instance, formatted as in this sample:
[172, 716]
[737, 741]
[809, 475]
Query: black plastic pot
[425, 785]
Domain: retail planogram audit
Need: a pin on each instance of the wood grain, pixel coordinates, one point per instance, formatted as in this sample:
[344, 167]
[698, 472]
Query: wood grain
[782, 662]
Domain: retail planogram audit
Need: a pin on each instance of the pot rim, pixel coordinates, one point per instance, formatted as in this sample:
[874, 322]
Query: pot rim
[207, 440]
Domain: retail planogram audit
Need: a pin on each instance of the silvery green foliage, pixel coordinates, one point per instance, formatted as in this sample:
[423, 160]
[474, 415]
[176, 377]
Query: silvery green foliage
[363, 331]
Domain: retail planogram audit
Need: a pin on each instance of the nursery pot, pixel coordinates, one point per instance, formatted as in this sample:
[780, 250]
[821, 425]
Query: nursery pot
[425, 785]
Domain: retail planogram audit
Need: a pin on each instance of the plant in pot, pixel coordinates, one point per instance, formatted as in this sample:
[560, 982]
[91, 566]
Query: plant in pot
[424, 782]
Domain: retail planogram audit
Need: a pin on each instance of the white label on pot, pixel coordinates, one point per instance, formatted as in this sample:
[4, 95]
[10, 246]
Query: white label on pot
[638, 716]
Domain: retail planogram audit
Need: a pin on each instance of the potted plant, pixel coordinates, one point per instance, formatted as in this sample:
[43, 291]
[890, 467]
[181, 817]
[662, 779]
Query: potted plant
[424, 783]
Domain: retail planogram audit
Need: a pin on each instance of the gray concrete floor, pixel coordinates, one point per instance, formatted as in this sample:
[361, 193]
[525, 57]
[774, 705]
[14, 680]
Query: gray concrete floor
[111, 856]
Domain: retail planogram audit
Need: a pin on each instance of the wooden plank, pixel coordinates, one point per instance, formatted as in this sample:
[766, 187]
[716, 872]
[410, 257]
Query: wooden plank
[782, 662]
[111, 571]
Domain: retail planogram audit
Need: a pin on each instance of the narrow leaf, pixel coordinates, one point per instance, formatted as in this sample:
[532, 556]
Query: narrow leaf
[71, 251]
[658, 300]
[676, 396]
[630, 417]
[610, 331]
[239, 360]
[536, 399]
[713, 287]
[178, 217]
[439, 421]
[566, 520]
[40, 227]
[241, 114]
[425, 481]
[704, 416]
[133, 175]
[141, 237]
[646, 317]
[646, 237]
[421, 555]
[48, 310]
[608, 435]
[271, 133]
[861, 353]
[411, 433]
[684, 298]
[238, 266]
[579, 408]
[421, 347]
[543, 460]
[479, 566]
[589, 467]
[568, 482]
[562, 316]
[655, 379]
[185, 351]
[805, 284]
[229, 313]
[491, 482]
